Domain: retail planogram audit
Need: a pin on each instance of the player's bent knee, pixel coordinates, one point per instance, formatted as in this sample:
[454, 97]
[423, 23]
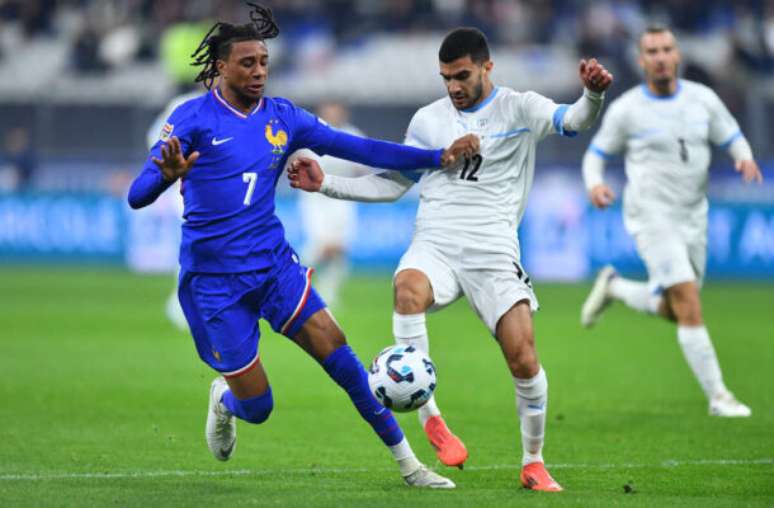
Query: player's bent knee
[255, 410]
[412, 292]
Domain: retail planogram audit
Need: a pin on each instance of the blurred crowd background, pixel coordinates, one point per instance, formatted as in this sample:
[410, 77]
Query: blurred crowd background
[82, 80]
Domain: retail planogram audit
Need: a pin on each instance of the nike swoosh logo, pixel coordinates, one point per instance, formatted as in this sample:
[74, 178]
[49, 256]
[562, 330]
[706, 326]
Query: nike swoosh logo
[216, 141]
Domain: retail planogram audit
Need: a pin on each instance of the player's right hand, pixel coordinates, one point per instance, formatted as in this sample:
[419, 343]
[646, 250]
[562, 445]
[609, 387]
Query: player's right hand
[465, 147]
[305, 174]
[173, 164]
[601, 196]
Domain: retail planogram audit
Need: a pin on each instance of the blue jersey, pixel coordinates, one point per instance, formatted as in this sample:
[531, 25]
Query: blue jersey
[230, 222]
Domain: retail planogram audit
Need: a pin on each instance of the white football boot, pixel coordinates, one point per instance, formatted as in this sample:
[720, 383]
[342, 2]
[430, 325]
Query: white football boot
[725, 404]
[425, 478]
[221, 424]
[599, 298]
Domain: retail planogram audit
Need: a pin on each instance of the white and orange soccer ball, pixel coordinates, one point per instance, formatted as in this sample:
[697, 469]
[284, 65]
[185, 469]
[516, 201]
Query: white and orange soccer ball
[402, 378]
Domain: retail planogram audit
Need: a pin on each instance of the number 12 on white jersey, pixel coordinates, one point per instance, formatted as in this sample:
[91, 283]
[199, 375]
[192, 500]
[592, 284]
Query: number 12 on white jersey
[249, 179]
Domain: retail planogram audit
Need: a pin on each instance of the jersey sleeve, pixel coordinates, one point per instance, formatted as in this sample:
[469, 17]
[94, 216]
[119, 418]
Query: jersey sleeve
[310, 132]
[542, 115]
[150, 183]
[610, 139]
[723, 127]
[417, 135]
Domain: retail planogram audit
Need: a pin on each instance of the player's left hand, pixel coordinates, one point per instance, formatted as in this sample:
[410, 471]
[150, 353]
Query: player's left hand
[594, 75]
[305, 174]
[750, 171]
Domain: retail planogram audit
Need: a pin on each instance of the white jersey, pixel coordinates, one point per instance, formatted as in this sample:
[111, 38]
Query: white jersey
[476, 209]
[666, 140]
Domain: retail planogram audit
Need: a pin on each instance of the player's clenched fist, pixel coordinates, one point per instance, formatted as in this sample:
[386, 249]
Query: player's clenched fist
[594, 75]
[601, 196]
[465, 147]
[305, 174]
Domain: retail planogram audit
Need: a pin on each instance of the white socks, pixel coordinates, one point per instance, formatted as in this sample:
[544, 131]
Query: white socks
[411, 330]
[531, 400]
[405, 457]
[697, 348]
[634, 294]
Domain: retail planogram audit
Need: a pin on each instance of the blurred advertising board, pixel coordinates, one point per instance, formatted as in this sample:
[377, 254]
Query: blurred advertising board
[562, 237]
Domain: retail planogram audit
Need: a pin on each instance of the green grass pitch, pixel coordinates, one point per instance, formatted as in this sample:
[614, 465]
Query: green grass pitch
[103, 403]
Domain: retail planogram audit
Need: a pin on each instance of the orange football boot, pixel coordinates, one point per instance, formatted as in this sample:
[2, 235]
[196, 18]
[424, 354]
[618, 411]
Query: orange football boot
[448, 447]
[534, 476]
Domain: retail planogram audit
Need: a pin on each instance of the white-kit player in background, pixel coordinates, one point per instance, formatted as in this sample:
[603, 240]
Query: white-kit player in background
[329, 224]
[465, 239]
[665, 128]
[172, 307]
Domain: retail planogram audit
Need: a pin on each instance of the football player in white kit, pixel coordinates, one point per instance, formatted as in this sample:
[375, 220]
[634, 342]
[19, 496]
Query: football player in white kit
[665, 127]
[465, 240]
[330, 223]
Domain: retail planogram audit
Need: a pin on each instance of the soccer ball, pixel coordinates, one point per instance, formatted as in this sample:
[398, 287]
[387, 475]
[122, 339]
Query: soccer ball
[402, 378]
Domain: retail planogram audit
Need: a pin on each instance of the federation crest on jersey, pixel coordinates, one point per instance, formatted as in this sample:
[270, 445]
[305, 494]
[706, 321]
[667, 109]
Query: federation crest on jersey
[278, 140]
[166, 132]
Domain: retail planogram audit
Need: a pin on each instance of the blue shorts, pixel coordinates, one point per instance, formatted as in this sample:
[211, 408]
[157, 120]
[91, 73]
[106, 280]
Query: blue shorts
[222, 310]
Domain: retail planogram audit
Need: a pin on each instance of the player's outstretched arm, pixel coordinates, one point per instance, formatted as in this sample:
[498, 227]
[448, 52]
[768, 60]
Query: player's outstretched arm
[154, 180]
[306, 174]
[387, 155]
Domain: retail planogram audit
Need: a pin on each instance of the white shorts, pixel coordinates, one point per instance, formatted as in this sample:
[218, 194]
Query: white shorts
[671, 259]
[491, 292]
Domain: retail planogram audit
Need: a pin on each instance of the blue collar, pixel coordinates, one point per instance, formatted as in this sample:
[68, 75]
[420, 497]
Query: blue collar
[483, 103]
[651, 95]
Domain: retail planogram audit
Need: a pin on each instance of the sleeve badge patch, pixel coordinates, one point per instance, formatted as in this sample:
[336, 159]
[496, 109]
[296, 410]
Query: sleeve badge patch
[166, 131]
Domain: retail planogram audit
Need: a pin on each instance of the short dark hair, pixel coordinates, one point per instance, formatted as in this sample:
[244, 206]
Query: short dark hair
[462, 42]
[655, 28]
[216, 45]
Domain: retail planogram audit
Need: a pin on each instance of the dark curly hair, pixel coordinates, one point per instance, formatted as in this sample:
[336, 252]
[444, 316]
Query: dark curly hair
[216, 45]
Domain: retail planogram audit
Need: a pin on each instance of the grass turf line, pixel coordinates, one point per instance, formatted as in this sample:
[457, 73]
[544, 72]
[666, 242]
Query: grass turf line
[96, 381]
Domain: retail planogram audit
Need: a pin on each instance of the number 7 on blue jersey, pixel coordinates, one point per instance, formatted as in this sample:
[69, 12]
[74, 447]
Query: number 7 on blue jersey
[249, 179]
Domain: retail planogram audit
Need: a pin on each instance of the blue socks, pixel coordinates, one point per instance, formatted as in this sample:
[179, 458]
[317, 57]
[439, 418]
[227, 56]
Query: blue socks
[344, 367]
[255, 410]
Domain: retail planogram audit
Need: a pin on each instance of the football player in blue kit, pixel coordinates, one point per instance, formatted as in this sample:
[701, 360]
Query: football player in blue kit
[229, 147]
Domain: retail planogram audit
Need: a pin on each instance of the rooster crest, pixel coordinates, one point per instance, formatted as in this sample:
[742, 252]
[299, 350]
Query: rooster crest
[278, 140]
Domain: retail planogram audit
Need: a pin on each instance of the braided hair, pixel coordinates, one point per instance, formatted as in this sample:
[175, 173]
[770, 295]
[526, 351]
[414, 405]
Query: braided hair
[216, 45]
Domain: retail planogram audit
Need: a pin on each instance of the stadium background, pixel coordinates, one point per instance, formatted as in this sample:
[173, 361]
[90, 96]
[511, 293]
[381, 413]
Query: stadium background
[102, 399]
